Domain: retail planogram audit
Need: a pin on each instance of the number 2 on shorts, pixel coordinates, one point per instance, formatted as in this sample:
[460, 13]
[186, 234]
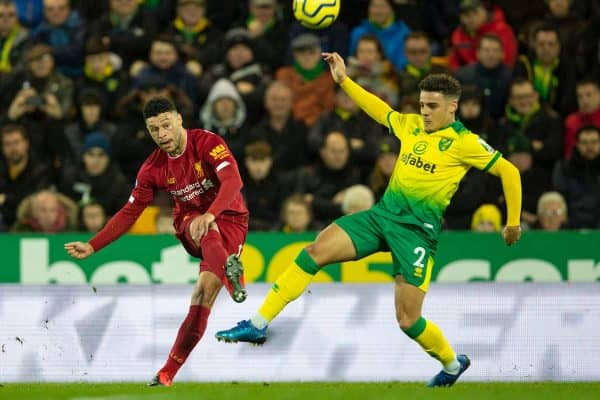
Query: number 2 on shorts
[420, 251]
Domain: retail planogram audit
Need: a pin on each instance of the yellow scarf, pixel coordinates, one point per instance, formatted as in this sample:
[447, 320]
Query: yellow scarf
[108, 71]
[188, 32]
[5, 54]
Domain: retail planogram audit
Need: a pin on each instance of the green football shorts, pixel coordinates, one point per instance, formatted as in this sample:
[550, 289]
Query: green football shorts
[375, 230]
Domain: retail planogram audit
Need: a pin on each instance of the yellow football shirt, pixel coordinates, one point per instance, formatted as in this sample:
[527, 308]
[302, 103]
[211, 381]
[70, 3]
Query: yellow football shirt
[430, 165]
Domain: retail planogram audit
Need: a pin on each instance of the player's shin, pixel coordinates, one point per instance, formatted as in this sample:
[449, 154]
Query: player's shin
[288, 287]
[432, 340]
[190, 333]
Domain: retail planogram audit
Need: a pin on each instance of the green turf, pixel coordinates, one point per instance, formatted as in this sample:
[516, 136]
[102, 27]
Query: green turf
[302, 391]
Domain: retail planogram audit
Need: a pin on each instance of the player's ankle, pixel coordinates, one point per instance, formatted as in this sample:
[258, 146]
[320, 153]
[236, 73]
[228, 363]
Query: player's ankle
[453, 367]
[259, 322]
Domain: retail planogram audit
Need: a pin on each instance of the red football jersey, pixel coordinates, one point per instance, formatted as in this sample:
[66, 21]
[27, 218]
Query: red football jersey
[190, 178]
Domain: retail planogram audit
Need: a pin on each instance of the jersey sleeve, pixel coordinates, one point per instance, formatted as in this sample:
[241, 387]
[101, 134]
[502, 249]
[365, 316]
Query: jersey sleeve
[216, 153]
[144, 189]
[475, 151]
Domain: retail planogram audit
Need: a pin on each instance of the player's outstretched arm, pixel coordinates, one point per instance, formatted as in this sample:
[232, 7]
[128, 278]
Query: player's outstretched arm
[371, 104]
[511, 186]
[79, 250]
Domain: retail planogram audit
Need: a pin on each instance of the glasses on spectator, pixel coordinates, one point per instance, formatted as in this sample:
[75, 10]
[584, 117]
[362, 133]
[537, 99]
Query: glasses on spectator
[553, 213]
[416, 51]
[8, 15]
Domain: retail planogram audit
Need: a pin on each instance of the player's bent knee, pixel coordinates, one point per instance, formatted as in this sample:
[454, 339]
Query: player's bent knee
[317, 253]
[405, 321]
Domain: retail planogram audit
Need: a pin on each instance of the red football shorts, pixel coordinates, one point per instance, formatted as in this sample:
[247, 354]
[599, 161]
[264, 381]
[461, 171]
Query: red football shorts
[233, 230]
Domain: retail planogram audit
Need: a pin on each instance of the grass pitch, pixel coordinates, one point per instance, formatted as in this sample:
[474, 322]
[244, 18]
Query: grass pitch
[300, 391]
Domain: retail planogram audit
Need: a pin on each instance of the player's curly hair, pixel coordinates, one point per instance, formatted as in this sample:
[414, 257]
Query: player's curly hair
[158, 105]
[442, 83]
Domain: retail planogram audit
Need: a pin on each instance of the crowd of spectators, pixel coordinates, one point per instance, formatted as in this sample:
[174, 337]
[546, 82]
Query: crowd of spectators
[74, 76]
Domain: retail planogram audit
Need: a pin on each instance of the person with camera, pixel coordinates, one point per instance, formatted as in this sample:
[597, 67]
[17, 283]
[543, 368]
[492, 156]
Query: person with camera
[38, 97]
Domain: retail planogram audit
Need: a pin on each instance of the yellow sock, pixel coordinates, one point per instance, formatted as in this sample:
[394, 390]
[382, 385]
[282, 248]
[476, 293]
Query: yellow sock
[289, 286]
[432, 340]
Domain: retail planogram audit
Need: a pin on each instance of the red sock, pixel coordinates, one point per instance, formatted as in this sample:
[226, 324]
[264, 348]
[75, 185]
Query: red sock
[190, 332]
[212, 249]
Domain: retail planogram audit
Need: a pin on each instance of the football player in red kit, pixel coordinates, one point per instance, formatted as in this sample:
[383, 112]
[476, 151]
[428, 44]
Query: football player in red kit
[211, 220]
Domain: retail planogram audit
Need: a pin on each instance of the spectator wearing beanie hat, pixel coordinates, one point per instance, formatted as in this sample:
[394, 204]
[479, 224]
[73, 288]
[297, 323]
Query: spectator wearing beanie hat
[309, 79]
[97, 176]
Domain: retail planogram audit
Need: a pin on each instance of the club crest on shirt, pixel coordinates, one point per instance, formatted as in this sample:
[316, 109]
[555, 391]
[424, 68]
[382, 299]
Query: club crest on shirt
[420, 147]
[445, 144]
[198, 169]
[219, 152]
[170, 181]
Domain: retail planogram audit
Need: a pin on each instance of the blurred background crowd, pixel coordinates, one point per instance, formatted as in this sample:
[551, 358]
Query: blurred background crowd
[75, 74]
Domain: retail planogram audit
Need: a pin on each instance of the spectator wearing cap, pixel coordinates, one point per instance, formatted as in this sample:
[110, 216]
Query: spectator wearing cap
[489, 74]
[197, 39]
[578, 179]
[267, 30]
[21, 173]
[527, 120]
[40, 98]
[164, 63]
[391, 32]
[553, 76]
[285, 134]
[40, 87]
[370, 69]
[475, 21]
[102, 71]
[90, 119]
[333, 38]
[262, 189]
[224, 113]
[64, 31]
[243, 69]
[127, 29]
[13, 37]
[588, 113]
[309, 79]
[96, 177]
[362, 131]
